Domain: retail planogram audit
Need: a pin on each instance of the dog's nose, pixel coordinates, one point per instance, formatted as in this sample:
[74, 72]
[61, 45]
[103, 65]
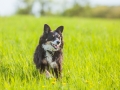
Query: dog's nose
[58, 42]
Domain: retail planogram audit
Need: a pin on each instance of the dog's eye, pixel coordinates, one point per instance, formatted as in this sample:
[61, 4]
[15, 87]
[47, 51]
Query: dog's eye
[58, 36]
[53, 37]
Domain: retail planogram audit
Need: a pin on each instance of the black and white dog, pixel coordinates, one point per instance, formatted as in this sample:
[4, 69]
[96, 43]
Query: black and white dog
[48, 54]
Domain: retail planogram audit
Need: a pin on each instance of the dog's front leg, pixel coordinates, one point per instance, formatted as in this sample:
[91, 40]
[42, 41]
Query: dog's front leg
[43, 65]
[56, 69]
[60, 70]
[56, 72]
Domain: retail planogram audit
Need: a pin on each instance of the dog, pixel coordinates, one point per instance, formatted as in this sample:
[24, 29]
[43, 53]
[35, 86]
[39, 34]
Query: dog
[48, 54]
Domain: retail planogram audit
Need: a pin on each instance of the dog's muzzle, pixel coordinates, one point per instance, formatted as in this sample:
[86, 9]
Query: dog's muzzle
[55, 46]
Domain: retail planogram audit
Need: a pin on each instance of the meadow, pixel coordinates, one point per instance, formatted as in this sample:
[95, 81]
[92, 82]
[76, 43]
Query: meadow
[91, 53]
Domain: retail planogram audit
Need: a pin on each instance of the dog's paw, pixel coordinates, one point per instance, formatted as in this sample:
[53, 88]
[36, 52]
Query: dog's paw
[48, 75]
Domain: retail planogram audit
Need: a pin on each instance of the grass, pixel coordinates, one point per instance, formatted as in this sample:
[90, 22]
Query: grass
[91, 53]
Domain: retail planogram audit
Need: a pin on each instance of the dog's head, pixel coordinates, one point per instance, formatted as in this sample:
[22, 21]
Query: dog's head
[52, 40]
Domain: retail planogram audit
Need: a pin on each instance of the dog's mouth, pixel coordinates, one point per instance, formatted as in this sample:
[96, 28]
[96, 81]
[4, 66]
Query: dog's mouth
[54, 46]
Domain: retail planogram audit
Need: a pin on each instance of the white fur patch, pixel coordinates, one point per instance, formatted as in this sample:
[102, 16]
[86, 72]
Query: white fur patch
[53, 65]
[49, 59]
[47, 47]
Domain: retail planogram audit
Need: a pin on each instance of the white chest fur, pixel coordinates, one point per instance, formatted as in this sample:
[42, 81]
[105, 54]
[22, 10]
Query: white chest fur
[49, 60]
[48, 57]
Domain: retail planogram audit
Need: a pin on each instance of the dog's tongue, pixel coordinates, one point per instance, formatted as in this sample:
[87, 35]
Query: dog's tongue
[56, 46]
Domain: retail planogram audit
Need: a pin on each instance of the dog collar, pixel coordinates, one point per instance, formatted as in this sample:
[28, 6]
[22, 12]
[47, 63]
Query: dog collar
[51, 52]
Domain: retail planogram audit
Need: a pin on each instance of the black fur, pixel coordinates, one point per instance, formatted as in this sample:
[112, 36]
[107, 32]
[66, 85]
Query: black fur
[40, 54]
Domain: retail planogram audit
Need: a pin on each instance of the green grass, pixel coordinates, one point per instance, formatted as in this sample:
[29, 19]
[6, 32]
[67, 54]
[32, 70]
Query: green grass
[91, 53]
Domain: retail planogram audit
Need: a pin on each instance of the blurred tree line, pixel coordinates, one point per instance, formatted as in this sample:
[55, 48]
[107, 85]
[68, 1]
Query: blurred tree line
[98, 11]
[76, 10]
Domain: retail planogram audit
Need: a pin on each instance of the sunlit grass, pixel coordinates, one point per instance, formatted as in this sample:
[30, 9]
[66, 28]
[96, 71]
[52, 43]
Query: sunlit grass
[91, 54]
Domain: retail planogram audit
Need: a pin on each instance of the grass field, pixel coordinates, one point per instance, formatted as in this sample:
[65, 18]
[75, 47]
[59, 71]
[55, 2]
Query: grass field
[91, 54]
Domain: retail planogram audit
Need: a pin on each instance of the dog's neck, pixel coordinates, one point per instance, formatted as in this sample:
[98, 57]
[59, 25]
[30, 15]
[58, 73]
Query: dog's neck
[48, 48]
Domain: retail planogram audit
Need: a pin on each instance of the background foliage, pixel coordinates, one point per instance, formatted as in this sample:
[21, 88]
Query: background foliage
[78, 9]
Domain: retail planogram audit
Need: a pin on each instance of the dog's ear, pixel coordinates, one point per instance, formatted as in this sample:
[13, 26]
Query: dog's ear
[59, 29]
[46, 29]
